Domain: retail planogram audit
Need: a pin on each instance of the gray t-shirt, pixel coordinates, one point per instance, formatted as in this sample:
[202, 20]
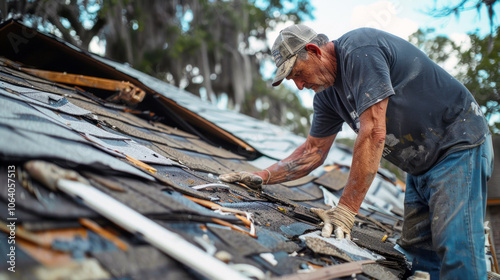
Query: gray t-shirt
[429, 115]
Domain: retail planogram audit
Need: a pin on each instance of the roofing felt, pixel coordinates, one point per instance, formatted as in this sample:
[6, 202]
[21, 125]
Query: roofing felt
[167, 175]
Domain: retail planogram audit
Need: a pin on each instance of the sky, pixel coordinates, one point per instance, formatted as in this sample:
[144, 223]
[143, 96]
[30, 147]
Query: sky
[399, 17]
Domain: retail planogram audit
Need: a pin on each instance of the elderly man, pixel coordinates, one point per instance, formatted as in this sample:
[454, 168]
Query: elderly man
[407, 109]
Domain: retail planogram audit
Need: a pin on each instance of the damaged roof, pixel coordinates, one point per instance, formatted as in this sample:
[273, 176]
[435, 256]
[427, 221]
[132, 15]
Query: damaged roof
[105, 184]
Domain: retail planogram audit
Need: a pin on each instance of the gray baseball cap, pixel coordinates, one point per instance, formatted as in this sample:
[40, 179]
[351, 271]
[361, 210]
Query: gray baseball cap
[285, 48]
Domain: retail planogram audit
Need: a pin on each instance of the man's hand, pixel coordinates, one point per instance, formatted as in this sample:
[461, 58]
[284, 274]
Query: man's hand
[339, 217]
[251, 180]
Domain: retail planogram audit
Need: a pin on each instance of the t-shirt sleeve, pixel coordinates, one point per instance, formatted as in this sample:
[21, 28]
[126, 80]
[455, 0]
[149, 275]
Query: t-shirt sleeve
[367, 76]
[326, 121]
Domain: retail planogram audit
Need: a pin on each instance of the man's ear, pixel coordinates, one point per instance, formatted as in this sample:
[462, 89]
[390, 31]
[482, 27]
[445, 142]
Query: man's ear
[313, 48]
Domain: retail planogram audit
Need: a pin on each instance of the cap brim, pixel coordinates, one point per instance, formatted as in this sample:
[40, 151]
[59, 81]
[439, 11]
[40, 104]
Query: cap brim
[284, 70]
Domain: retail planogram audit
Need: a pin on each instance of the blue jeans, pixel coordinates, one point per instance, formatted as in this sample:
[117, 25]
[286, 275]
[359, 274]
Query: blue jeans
[443, 231]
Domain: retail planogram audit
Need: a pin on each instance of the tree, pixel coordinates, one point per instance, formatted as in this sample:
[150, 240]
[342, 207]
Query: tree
[482, 76]
[204, 46]
[476, 67]
[65, 20]
[279, 106]
[465, 5]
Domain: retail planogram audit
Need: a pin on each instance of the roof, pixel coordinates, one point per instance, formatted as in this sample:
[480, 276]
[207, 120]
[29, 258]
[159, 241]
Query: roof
[101, 189]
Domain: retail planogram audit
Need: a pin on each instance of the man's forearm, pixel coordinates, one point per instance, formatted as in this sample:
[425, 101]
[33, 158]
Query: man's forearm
[288, 169]
[365, 163]
[300, 163]
[367, 153]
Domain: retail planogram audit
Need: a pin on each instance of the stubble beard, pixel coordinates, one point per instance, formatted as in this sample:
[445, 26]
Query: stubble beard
[319, 89]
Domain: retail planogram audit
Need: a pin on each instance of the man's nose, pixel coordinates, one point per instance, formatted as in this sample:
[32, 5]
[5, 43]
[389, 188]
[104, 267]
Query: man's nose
[299, 83]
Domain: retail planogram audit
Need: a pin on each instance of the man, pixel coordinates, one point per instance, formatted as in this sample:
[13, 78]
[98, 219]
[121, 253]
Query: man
[407, 109]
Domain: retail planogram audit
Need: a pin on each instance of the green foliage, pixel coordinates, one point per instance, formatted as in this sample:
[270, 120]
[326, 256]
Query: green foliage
[482, 77]
[185, 45]
[279, 106]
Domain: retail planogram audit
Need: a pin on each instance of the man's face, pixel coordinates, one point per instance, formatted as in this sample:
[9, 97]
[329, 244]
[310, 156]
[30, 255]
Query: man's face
[311, 73]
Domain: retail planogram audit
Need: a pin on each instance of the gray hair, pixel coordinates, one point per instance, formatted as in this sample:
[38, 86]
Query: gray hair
[320, 40]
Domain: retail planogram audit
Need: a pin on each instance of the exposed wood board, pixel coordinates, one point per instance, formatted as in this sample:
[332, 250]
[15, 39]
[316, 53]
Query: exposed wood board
[23, 79]
[51, 42]
[128, 92]
[14, 69]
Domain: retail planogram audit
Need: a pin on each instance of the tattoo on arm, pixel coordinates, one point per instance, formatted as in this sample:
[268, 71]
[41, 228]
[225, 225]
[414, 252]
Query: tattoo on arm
[291, 165]
[302, 161]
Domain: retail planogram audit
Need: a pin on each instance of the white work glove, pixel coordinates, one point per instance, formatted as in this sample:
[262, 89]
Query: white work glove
[339, 217]
[249, 179]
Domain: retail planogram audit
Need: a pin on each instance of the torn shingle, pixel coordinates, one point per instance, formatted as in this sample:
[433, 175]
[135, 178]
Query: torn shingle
[275, 241]
[241, 243]
[333, 180]
[379, 272]
[62, 106]
[18, 145]
[295, 195]
[320, 246]
[296, 229]
[194, 161]
[130, 148]
[46, 204]
[347, 246]
[141, 262]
